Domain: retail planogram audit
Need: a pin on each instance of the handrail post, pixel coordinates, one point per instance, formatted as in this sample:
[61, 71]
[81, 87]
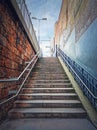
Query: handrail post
[56, 50]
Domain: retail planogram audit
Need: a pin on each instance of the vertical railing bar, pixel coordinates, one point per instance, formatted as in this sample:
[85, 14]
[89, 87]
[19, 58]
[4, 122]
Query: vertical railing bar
[77, 74]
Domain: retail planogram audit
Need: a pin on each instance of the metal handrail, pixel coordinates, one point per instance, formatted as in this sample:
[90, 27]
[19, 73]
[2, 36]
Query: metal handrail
[17, 78]
[95, 97]
[14, 96]
[85, 69]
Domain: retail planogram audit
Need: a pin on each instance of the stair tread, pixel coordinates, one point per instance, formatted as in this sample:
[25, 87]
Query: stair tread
[51, 80]
[48, 88]
[47, 101]
[50, 94]
[49, 110]
[49, 84]
[50, 74]
[35, 72]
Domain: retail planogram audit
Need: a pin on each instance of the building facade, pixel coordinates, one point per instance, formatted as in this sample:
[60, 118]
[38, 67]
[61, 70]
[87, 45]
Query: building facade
[75, 32]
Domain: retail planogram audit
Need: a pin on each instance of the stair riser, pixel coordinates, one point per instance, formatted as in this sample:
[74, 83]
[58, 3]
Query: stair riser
[48, 91]
[52, 63]
[48, 67]
[47, 75]
[48, 72]
[52, 71]
[47, 86]
[50, 81]
[48, 105]
[24, 97]
[49, 78]
[46, 115]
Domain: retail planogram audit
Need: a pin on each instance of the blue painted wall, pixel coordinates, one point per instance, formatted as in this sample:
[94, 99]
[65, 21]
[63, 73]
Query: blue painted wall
[69, 48]
[85, 50]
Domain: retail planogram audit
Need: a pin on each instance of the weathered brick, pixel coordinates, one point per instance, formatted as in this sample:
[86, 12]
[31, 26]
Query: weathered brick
[3, 72]
[13, 54]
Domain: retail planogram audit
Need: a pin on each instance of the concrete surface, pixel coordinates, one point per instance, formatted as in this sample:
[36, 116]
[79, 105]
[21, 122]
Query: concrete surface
[92, 113]
[48, 124]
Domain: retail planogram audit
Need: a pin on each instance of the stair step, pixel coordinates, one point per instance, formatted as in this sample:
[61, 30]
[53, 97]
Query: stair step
[49, 67]
[50, 88]
[48, 93]
[47, 90]
[57, 96]
[49, 81]
[55, 84]
[47, 113]
[47, 74]
[48, 103]
[50, 70]
[62, 85]
[49, 78]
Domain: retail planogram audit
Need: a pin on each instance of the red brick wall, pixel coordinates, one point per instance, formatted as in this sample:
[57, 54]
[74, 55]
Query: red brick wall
[15, 48]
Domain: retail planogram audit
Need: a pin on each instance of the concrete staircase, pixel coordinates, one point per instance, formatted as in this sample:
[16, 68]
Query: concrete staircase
[48, 93]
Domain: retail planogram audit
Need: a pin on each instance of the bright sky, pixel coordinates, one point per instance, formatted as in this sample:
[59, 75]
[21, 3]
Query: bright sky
[44, 9]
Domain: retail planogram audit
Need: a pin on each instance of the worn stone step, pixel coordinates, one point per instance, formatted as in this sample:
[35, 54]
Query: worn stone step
[47, 90]
[49, 81]
[48, 85]
[47, 74]
[57, 96]
[47, 113]
[48, 103]
[48, 65]
[49, 61]
[50, 68]
[49, 78]
[54, 63]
